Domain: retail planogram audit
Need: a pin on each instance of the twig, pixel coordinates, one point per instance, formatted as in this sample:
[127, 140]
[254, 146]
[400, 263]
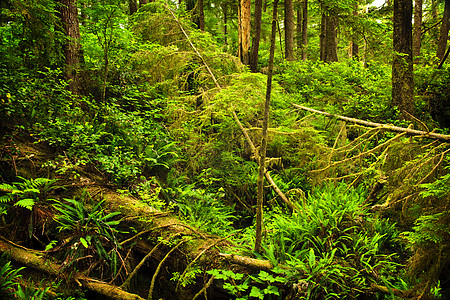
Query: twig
[207, 285]
[197, 257]
[360, 155]
[152, 284]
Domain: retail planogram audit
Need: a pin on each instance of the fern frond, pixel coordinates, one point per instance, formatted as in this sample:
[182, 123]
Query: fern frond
[26, 203]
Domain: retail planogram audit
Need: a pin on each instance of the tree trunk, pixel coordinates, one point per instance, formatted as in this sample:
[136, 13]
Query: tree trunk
[402, 65]
[299, 25]
[443, 36]
[133, 6]
[354, 49]
[244, 30]
[289, 29]
[225, 24]
[263, 148]
[72, 50]
[417, 33]
[201, 16]
[256, 35]
[331, 39]
[322, 36]
[305, 30]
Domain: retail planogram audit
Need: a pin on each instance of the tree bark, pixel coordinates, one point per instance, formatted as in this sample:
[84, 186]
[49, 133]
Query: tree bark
[305, 30]
[417, 33]
[402, 65]
[72, 50]
[263, 148]
[331, 39]
[256, 35]
[322, 37]
[299, 25]
[244, 30]
[354, 49]
[443, 34]
[289, 29]
[133, 6]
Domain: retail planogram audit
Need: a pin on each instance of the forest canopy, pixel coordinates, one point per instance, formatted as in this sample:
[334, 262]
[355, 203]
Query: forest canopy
[224, 149]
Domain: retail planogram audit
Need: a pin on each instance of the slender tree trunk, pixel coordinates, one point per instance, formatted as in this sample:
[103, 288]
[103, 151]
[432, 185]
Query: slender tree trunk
[133, 6]
[72, 51]
[201, 15]
[262, 150]
[354, 49]
[322, 37]
[289, 29]
[244, 30]
[299, 25]
[443, 36]
[305, 30]
[225, 24]
[417, 33]
[256, 35]
[402, 65]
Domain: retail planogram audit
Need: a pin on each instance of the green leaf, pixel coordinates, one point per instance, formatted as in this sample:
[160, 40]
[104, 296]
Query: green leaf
[84, 242]
[27, 203]
[257, 293]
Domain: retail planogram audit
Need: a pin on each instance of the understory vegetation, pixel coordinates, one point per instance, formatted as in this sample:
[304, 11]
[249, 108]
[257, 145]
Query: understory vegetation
[370, 216]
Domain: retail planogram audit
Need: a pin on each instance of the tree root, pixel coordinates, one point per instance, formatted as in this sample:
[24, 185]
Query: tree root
[36, 260]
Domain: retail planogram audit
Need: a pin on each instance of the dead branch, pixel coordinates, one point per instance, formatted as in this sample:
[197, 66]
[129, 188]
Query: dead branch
[409, 131]
[36, 260]
[388, 291]
[152, 284]
[247, 261]
[203, 290]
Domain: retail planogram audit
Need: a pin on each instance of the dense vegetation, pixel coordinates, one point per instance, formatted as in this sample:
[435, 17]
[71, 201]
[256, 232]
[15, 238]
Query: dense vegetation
[150, 113]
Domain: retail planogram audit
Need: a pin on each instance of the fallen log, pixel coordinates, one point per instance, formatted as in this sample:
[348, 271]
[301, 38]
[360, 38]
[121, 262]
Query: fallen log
[409, 131]
[38, 261]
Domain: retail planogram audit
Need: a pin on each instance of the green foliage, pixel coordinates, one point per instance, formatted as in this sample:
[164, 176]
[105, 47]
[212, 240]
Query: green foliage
[349, 87]
[8, 278]
[88, 230]
[205, 210]
[27, 193]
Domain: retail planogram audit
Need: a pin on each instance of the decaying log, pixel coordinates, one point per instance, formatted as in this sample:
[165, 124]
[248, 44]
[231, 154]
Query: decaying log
[409, 131]
[38, 261]
[398, 293]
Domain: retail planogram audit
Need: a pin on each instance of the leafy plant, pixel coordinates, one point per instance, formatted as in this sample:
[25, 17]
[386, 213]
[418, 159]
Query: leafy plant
[88, 231]
[8, 278]
[27, 193]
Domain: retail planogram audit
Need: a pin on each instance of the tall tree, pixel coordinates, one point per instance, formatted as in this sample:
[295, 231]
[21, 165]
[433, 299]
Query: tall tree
[133, 6]
[402, 64]
[289, 29]
[244, 30]
[443, 34]
[256, 35]
[196, 10]
[354, 47]
[417, 33]
[263, 148]
[328, 38]
[299, 28]
[305, 30]
[72, 50]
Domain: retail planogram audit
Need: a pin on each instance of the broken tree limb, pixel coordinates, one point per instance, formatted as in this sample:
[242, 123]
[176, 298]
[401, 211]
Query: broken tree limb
[36, 260]
[409, 131]
[247, 261]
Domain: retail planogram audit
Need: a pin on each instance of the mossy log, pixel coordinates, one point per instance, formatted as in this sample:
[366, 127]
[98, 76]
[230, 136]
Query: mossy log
[38, 261]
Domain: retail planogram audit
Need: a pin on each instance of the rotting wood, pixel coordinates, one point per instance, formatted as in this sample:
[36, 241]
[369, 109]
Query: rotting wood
[390, 291]
[36, 260]
[409, 131]
[247, 261]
